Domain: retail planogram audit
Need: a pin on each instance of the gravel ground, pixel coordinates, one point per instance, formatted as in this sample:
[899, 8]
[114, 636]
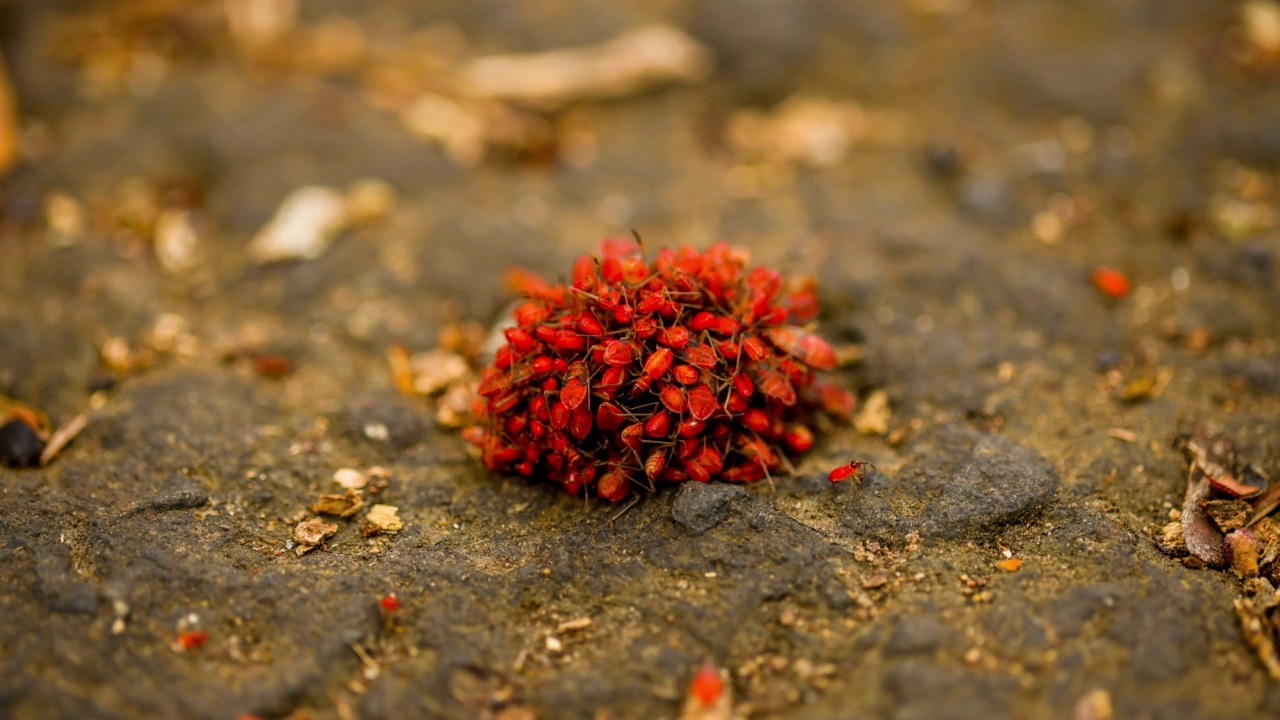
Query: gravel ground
[985, 159]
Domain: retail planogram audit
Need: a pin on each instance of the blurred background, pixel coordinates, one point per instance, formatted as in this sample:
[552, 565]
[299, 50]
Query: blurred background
[367, 169]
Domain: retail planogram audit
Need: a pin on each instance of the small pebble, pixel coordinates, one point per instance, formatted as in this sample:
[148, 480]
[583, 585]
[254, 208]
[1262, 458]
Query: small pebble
[20, 446]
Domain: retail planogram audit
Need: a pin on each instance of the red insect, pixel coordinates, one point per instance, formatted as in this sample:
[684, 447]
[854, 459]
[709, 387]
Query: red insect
[191, 639]
[707, 687]
[390, 602]
[573, 394]
[774, 383]
[685, 374]
[844, 472]
[803, 345]
[655, 463]
[673, 398]
[675, 336]
[613, 485]
[658, 425]
[702, 402]
[655, 368]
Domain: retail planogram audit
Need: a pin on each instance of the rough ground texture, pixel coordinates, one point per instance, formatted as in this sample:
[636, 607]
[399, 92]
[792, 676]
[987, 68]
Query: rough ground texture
[934, 252]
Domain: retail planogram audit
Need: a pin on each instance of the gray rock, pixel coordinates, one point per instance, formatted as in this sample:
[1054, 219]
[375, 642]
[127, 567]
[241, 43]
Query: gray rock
[999, 483]
[914, 634]
[701, 506]
[923, 689]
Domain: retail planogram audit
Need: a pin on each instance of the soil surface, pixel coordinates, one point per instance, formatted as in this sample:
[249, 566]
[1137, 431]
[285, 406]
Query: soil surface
[1012, 148]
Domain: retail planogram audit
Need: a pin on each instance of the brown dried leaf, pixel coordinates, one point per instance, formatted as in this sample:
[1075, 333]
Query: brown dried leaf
[434, 371]
[1139, 389]
[1228, 515]
[1230, 486]
[344, 505]
[1203, 538]
[1170, 540]
[873, 419]
[1264, 505]
[622, 66]
[1259, 636]
[314, 531]
[385, 518]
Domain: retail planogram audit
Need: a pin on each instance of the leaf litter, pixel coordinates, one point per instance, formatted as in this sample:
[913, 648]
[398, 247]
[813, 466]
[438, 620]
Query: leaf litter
[1228, 521]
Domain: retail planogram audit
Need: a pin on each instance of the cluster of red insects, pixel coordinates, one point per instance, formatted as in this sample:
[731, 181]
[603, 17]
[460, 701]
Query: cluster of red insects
[692, 367]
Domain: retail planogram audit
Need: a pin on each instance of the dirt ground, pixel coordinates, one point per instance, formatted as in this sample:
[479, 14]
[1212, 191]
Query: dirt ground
[985, 157]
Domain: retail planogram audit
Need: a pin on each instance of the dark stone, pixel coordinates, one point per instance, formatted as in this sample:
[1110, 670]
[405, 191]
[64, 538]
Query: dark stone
[925, 690]
[60, 590]
[1016, 630]
[20, 446]
[180, 500]
[699, 506]
[102, 383]
[914, 635]
[1107, 360]
[943, 160]
[1000, 482]
[1262, 375]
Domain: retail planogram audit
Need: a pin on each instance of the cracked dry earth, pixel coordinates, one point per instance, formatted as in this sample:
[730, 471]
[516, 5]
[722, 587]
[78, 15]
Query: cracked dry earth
[1036, 143]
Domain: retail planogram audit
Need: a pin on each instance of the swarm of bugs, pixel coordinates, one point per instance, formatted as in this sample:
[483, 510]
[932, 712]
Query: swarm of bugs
[689, 367]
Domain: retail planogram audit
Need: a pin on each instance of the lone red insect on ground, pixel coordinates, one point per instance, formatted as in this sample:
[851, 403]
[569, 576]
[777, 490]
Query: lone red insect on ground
[692, 366]
[844, 472]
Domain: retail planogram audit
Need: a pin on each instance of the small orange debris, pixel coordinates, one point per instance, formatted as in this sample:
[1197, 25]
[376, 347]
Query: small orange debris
[390, 602]
[272, 366]
[707, 686]
[1112, 282]
[1010, 565]
[191, 639]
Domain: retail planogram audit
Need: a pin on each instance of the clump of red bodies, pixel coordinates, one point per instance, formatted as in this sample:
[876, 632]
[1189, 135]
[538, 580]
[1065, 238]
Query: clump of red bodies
[689, 367]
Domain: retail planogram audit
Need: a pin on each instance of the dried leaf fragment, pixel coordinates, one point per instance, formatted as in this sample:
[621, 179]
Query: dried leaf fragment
[311, 533]
[873, 419]
[1171, 541]
[1258, 634]
[627, 64]
[1203, 538]
[302, 227]
[436, 370]
[385, 518]
[1228, 515]
[581, 623]
[350, 478]
[1010, 565]
[344, 505]
[63, 437]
